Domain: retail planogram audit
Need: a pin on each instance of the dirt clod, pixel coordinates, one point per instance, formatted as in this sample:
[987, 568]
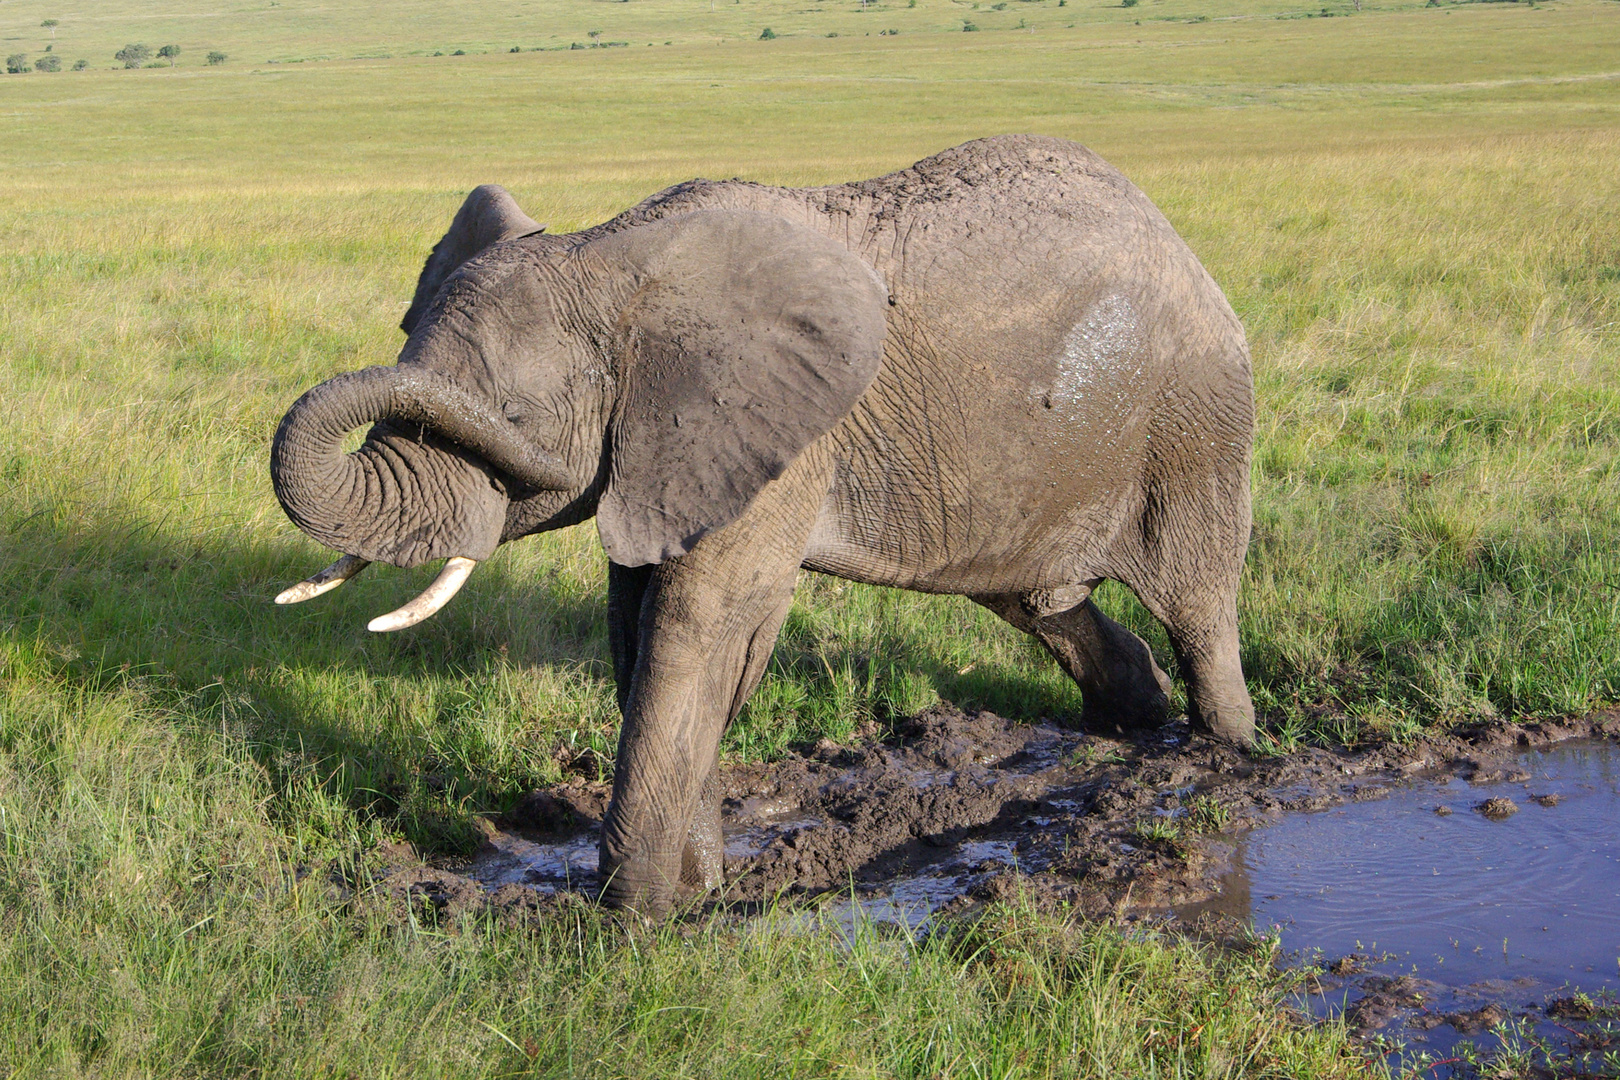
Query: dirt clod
[1498, 809]
[567, 808]
[1384, 999]
[1351, 964]
[1581, 1007]
[1478, 1020]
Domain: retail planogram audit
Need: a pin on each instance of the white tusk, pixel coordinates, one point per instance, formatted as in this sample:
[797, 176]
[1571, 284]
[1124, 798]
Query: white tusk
[434, 597]
[325, 581]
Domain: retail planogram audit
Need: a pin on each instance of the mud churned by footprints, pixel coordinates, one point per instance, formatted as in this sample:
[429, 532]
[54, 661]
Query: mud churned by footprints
[956, 807]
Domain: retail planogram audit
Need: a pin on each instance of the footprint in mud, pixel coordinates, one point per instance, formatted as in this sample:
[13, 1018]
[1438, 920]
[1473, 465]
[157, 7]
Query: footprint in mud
[909, 825]
[952, 804]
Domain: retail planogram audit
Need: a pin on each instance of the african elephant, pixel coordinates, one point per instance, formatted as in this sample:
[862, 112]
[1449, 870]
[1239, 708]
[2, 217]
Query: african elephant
[997, 373]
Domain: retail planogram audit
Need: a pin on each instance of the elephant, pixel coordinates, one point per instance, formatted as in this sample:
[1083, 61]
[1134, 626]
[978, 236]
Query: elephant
[998, 373]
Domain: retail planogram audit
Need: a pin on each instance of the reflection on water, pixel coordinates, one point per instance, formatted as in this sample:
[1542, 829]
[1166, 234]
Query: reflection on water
[1507, 910]
[512, 860]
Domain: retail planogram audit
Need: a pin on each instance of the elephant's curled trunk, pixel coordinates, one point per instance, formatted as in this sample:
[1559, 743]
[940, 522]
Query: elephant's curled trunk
[402, 499]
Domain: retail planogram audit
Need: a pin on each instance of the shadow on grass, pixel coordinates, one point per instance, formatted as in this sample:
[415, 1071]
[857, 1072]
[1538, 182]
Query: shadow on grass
[507, 689]
[423, 728]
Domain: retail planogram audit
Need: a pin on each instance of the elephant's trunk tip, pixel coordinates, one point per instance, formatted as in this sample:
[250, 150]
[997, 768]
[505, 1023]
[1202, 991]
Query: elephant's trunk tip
[435, 596]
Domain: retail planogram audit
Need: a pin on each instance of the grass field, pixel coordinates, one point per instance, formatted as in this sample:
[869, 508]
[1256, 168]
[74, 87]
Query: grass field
[1411, 208]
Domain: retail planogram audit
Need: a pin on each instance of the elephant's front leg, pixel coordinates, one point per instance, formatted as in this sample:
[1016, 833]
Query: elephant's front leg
[704, 627]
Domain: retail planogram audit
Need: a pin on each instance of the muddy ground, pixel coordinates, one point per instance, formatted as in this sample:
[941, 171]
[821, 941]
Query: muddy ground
[1114, 825]
[954, 808]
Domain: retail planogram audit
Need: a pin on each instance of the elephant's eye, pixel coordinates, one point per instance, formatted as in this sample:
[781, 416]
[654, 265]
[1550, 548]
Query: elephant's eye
[513, 413]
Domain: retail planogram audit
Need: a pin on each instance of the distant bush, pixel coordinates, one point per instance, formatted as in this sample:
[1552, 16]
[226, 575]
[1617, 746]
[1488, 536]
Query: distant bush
[169, 52]
[888, 33]
[833, 34]
[1127, 3]
[216, 57]
[133, 56]
[16, 63]
[969, 26]
[999, 7]
[459, 52]
[515, 48]
[48, 62]
[576, 45]
[767, 34]
[80, 65]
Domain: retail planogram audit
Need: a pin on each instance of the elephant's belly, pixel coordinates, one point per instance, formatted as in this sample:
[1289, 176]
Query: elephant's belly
[992, 544]
[1017, 508]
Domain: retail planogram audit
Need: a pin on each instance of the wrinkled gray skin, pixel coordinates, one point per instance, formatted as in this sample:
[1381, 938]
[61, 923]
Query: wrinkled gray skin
[998, 373]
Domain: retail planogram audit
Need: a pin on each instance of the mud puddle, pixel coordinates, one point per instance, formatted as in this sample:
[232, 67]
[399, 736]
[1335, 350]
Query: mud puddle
[1453, 906]
[900, 829]
[955, 808]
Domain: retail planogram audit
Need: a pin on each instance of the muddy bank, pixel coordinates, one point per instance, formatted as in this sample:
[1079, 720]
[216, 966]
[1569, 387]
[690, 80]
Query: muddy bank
[956, 807]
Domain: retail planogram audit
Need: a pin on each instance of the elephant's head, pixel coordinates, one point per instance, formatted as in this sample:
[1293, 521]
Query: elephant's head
[658, 377]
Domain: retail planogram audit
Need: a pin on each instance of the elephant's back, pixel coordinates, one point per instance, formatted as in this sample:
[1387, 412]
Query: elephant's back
[987, 187]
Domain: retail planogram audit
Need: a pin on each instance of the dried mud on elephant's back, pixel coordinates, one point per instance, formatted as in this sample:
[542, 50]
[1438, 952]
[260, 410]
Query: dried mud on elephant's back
[955, 807]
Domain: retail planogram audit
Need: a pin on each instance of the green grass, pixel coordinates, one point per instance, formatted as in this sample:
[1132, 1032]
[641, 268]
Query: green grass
[163, 920]
[1411, 208]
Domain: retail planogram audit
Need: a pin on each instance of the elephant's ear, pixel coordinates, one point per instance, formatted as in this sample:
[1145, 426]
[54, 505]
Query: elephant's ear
[749, 337]
[489, 216]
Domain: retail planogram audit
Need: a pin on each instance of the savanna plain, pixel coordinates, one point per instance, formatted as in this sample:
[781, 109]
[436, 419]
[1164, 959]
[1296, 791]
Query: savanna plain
[1412, 208]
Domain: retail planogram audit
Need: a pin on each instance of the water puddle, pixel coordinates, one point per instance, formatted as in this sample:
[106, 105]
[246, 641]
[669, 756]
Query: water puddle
[547, 868]
[1444, 912]
[1441, 910]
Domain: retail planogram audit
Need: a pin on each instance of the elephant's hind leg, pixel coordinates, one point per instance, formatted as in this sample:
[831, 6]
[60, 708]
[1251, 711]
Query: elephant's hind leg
[1203, 631]
[1185, 568]
[1121, 685]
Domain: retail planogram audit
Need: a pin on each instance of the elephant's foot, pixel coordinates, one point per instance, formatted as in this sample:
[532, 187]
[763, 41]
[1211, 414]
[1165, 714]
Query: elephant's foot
[649, 898]
[1141, 706]
[1218, 702]
[651, 886]
[1132, 692]
[644, 886]
[1231, 724]
[1120, 683]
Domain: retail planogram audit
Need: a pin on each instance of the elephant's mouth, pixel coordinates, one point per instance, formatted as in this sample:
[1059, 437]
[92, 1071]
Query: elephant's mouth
[400, 498]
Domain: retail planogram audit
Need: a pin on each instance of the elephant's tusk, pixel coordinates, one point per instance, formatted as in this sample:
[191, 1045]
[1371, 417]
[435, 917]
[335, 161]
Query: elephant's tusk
[434, 597]
[325, 581]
